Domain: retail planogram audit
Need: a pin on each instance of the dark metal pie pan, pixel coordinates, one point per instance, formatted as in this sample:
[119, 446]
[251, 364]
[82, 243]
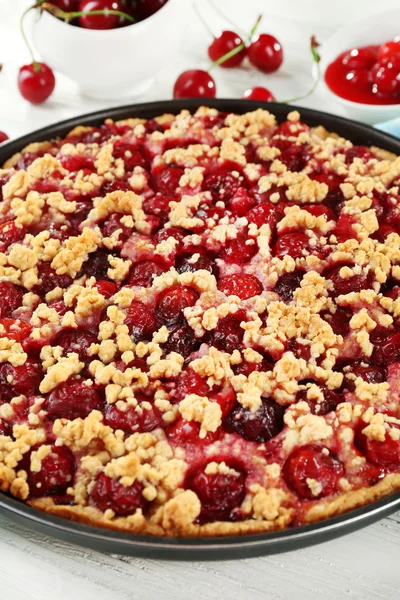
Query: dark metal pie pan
[217, 548]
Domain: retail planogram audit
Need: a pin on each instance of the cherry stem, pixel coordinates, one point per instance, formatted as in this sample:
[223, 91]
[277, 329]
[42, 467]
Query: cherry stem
[238, 49]
[202, 20]
[68, 16]
[36, 65]
[225, 17]
[316, 59]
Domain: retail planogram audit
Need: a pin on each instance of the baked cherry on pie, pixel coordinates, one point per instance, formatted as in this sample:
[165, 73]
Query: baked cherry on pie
[200, 324]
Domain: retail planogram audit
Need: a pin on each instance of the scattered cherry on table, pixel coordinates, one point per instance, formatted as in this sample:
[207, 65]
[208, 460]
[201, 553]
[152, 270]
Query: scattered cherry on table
[36, 82]
[265, 53]
[259, 93]
[3, 137]
[225, 42]
[195, 83]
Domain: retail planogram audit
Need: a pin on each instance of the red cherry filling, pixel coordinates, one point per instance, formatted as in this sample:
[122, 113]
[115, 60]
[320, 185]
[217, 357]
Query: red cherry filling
[106, 288]
[15, 329]
[75, 340]
[328, 403]
[287, 284]
[263, 214]
[385, 454]
[48, 280]
[172, 302]
[114, 224]
[294, 244]
[109, 494]
[10, 299]
[143, 273]
[294, 156]
[167, 181]
[386, 345]
[241, 202]
[219, 493]
[134, 419]
[56, 473]
[23, 379]
[222, 184]
[244, 286]
[140, 321]
[184, 433]
[189, 263]
[314, 463]
[228, 334]
[239, 250]
[181, 340]
[259, 426]
[190, 382]
[10, 233]
[339, 321]
[97, 265]
[346, 285]
[225, 42]
[72, 400]
[368, 373]
[76, 162]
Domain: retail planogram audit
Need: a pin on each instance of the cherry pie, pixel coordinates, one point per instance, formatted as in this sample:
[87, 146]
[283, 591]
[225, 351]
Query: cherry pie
[200, 324]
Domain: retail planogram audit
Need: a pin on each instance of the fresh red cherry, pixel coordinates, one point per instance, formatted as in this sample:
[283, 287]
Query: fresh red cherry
[386, 74]
[36, 82]
[3, 137]
[66, 5]
[259, 93]
[266, 53]
[195, 83]
[146, 8]
[225, 42]
[389, 49]
[104, 21]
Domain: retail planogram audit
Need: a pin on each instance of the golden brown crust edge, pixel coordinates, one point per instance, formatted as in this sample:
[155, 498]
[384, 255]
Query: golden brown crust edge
[136, 524]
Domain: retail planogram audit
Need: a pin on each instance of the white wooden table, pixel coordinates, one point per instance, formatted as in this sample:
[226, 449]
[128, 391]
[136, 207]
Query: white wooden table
[363, 565]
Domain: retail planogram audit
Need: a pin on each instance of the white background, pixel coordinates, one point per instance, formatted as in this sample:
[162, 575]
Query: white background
[363, 565]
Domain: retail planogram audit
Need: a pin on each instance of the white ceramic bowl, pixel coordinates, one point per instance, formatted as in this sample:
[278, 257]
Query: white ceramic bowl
[113, 63]
[375, 29]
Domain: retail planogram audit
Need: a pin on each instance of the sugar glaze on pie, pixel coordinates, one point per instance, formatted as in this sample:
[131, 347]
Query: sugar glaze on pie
[200, 324]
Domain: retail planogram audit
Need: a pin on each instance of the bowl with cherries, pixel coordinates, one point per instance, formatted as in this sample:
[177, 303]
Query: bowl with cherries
[110, 48]
[361, 67]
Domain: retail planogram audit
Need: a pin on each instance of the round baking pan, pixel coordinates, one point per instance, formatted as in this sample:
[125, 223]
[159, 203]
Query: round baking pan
[220, 548]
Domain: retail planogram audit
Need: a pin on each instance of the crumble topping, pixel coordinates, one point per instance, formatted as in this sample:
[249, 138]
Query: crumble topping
[199, 324]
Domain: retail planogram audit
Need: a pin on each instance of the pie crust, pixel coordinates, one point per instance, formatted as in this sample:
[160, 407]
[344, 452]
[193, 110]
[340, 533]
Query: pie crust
[199, 324]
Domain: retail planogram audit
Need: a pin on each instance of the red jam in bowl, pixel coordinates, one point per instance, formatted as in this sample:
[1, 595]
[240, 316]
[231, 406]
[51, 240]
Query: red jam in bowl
[369, 75]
